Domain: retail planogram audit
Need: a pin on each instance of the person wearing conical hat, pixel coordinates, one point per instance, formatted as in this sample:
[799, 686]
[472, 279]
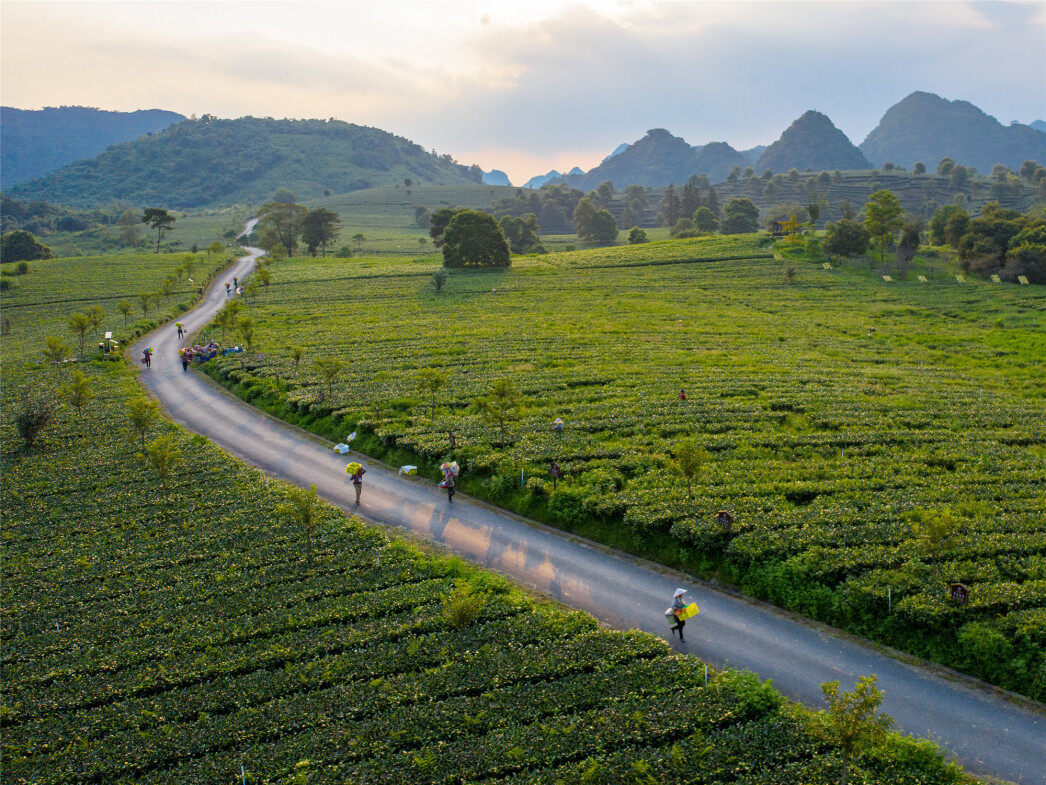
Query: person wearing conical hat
[677, 608]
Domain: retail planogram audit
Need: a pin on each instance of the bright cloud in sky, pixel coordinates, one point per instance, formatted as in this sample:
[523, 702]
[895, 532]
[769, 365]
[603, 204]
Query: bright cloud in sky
[526, 87]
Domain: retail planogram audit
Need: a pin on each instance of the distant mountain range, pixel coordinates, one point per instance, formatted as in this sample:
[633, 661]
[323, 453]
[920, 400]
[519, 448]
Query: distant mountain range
[925, 127]
[922, 127]
[98, 157]
[207, 162]
[34, 142]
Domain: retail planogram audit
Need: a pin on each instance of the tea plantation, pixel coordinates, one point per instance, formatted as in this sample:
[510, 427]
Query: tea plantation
[875, 440]
[166, 626]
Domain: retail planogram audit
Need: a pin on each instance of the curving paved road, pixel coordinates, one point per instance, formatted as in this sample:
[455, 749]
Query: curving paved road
[984, 731]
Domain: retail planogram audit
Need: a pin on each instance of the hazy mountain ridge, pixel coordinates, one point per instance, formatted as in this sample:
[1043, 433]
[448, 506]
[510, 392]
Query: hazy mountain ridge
[34, 142]
[211, 161]
[812, 142]
[923, 127]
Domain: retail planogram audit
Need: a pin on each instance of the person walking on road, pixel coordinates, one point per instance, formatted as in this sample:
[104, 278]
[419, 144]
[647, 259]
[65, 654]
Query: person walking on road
[147, 358]
[357, 482]
[448, 483]
[677, 608]
[185, 362]
[228, 289]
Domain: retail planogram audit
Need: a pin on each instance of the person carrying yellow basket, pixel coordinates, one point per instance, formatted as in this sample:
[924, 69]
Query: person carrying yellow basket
[679, 612]
[356, 471]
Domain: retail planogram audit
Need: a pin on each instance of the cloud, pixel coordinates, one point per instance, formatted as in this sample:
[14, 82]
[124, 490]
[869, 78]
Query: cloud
[534, 82]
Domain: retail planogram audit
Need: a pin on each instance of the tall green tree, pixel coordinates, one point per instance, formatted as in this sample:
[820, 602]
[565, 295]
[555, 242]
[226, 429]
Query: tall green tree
[603, 228]
[280, 222]
[431, 381]
[55, 352]
[79, 324]
[584, 212]
[164, 455]
[318, 228]
[77, 392]
[475, 239]
[688, 457]
[330, 369]
[301, 508]
[521, 233]
[741, 216]
[159, 219]
[671, 208]
[141, 414]
[882, 218]
[438, 222]
[690, 196]
[500, 406]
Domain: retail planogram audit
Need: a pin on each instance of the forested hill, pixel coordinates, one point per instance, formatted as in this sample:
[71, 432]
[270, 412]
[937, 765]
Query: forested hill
[812, 143]
[660, 158]
[926, 128]
[210, 161]
[34, 142]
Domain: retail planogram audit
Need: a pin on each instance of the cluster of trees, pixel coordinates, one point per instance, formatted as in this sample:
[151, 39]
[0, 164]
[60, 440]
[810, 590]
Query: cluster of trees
[688, 201]
[884, 224]
[553, 205]
[595, 224]
[470, 238]
[998, 241]
[41, 218]
[284, 223]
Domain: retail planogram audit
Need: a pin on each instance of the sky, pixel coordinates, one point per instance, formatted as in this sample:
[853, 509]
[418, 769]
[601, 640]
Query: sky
[529, 86]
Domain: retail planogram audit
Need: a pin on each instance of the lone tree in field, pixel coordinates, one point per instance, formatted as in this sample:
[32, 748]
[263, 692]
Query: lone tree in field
[159, 219]
[603, 228]
[164, 455]
[142, 413]
[55, 352]
[227, 317]
[302, 509]
[245, 327]
[687, 458]
[329, 368]
[280, 222]
[95, 315]
[79, 324]
[318, 228]
[501, 406]
[741, 217]
[35, 412]
[126, 308]
[77, 392]
[145, 299]
[852, 720]
[474, 239]
[296, 353]
[882, 218]
[430, 381]
[359, 238]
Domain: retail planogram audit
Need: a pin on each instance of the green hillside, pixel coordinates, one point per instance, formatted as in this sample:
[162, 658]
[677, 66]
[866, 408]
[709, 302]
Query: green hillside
[34, 142]
[171, 630]
[838, 413]
[211, 161]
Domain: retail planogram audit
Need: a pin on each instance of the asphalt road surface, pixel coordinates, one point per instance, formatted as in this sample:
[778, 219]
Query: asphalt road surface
[979, 727]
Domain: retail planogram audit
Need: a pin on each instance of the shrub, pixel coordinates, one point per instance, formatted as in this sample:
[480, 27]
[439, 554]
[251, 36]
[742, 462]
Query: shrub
[463, 606]
[846, 238]
[33, 415]
[567, 506]
[636, 236]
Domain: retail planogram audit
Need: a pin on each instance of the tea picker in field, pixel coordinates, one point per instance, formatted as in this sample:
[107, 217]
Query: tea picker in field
[356, 471]
[682, 394]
